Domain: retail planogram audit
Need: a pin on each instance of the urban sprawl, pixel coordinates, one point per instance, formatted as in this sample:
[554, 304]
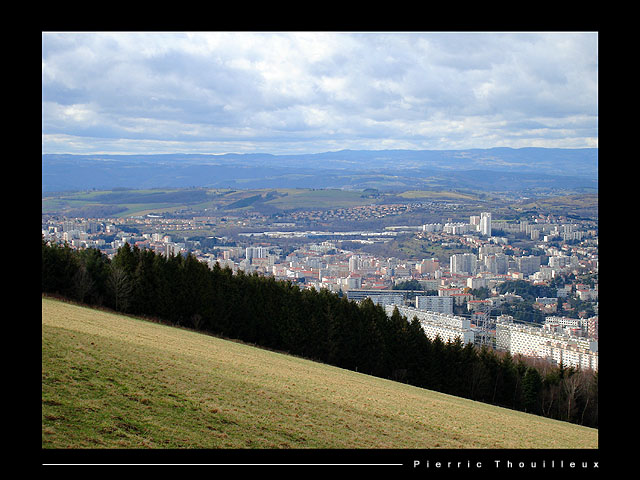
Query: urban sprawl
[568, 246]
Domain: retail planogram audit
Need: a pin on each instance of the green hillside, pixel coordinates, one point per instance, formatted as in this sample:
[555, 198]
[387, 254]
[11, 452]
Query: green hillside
[111, 381]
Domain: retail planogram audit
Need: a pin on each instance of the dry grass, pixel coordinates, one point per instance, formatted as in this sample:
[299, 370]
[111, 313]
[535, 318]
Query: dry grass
[111, 381]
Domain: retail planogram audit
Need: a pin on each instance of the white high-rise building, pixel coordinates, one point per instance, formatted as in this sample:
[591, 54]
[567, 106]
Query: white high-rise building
[255, 252]
[432, 227]
[354, 263]
[485, 223]
[435, 303]
[463, 263]
[528, 265]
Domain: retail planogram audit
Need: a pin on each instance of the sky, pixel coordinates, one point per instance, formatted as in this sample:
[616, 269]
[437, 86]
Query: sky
[311, 92]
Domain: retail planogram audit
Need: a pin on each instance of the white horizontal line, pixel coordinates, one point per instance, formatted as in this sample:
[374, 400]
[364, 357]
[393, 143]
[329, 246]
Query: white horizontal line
[233, 464]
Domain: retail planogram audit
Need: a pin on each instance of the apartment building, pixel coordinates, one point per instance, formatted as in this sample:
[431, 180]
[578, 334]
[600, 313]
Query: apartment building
[435, 303]
[485, 223]
[448, 327]
[255, 252]
[583, 327]
[381, 296]
[531, 341]
[528, 265]
[463, 263]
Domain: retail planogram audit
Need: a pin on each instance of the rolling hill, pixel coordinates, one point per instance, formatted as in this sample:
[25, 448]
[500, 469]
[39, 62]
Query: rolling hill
[494, 169]
[116, 382]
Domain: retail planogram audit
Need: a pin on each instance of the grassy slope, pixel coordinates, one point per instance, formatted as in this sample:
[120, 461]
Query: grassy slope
[118, 382]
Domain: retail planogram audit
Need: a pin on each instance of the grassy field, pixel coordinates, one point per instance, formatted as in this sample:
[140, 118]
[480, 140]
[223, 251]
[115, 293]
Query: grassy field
[436, 195]
[131, 202]
[111, 381]
[583, 205]
[142, 202]
[125, 203]
[318, 199]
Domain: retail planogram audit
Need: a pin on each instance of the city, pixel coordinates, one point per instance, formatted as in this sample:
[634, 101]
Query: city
[454, 295]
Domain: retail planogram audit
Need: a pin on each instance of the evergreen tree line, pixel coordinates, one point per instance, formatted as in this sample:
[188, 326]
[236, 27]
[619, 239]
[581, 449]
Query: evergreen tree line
[318, 325]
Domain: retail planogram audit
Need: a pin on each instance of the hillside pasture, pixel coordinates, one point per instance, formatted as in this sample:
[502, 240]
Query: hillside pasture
[112, 381]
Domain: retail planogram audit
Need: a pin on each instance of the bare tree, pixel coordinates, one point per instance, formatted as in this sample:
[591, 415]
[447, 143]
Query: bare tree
[550, 390]
[196, 321]
[572, 386]
[120, 287]
[82, 283]
[589, 392]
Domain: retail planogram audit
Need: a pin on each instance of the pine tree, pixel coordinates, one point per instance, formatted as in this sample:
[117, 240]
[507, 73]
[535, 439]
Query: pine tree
[59, 265]
[397, 346]
[506, 382]
[469, 358]
[144, 285]
[419, 349]
[372, 348]
[453, 361]
[126, 259]
[531, 390]
[437, 370]
[97, 266]
[484, 375]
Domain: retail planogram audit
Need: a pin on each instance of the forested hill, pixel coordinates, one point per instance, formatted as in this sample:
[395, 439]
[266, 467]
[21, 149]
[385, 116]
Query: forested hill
[495, 169]
[320, 326]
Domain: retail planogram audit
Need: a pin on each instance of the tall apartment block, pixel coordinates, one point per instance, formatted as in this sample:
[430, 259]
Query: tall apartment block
[485, 223]
[432, 303]
[255, 252]
[540, 342]
[463, 263]
[447, 327]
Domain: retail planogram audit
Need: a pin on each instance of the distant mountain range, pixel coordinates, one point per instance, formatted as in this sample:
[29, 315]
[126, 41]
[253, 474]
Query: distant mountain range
[494, 169]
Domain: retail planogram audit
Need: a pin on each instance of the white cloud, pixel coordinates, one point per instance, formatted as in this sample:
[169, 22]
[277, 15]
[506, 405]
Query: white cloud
[283, 92]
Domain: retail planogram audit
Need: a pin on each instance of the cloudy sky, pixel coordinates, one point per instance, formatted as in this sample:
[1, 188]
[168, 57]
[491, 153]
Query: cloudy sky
[308, 92]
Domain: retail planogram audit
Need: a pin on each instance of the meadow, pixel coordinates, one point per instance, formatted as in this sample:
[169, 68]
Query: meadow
[142, 202]
[114, 381]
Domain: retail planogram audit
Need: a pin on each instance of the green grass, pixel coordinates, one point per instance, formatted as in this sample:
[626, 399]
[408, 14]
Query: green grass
[135, 202]
[318, 199]
[112, 381]
[436, 195]
[142, 202]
